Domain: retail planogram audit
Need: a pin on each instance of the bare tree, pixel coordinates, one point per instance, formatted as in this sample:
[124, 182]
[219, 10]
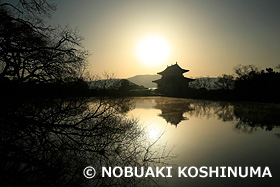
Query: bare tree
[245, 72]
[201, 83]
[27, 54]
[31, 10]
[225, 82]
[31, 52]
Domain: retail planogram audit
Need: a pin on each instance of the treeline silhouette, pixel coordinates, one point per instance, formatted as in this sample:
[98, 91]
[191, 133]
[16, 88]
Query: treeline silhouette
[255, 84]
[248, 84]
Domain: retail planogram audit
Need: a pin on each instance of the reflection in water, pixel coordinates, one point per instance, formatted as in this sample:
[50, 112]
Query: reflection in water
[211, 133]
[249, 116]
[153, 133]
[173, 112]
[48, 142]
[253, 116]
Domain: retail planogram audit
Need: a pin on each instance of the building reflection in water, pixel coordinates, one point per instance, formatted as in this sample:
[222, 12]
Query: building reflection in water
[173, 112]
[248, 116]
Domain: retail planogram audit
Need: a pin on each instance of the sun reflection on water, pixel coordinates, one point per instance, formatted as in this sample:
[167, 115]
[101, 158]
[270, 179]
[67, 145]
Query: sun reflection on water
[153, 133]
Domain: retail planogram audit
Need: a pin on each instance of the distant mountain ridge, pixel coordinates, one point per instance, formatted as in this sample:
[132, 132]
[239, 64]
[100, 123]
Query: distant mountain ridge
[210, 83]
[145, 80]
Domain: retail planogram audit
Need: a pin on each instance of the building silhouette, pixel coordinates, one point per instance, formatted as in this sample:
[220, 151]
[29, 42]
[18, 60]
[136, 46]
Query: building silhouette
[173, 80]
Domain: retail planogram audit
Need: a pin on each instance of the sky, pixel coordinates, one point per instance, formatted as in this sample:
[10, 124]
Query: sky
[207, 37]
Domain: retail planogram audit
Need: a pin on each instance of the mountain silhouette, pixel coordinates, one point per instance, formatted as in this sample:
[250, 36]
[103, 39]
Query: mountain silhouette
[144, 80]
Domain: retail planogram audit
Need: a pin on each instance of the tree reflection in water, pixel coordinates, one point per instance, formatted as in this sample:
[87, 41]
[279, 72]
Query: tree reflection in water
[49, 142]
[249, 117]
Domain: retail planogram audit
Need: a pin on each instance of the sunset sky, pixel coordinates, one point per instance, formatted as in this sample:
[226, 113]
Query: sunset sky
[210, 37]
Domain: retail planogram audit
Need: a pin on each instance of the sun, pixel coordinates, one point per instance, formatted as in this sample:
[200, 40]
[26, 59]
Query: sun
[153, 50]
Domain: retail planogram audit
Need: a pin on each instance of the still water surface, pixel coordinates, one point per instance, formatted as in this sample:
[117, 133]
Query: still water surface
[210, 133]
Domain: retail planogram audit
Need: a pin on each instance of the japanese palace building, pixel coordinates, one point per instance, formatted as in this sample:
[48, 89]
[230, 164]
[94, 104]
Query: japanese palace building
[173, 80]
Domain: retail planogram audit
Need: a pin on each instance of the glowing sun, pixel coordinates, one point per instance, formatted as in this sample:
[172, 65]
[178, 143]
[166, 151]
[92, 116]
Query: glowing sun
[153, 50]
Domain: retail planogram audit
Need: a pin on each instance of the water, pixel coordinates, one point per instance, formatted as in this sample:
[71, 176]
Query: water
[209, 133]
